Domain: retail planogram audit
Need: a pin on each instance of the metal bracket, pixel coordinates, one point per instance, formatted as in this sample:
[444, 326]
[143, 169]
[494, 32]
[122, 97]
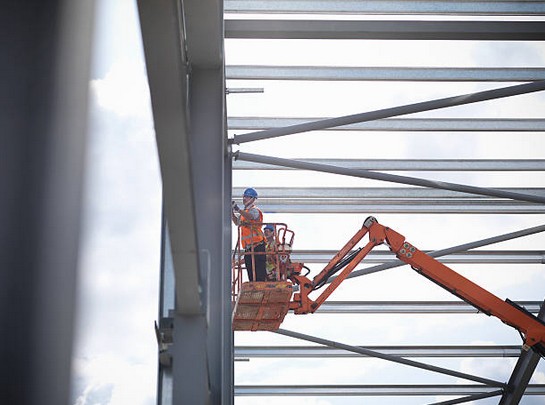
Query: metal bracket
[163, 333]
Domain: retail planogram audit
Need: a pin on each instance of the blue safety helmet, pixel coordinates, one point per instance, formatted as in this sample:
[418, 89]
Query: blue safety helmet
[250, 192]
[269, 227]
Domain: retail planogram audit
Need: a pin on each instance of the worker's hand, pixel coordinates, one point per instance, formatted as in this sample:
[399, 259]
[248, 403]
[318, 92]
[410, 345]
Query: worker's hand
[234, 206]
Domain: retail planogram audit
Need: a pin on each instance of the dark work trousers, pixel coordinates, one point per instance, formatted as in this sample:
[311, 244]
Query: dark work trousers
[259, 259]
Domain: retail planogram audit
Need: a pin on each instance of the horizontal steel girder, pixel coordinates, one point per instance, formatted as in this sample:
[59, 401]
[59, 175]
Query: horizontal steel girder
[384, 7]
[409, 307]
[384, 73]
[387, 29]
[415, 207]
[374, 390]
[403, 351]
[398, 124]
[390, 200]
[408, 165]
[389, 358]
[382, 176]
[471, 257]
[462, 99]
[331, 193]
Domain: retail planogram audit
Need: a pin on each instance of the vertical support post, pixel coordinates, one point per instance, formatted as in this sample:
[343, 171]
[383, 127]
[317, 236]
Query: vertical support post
[166, 306]
[189, 370]
[208, 152]
[524, 369]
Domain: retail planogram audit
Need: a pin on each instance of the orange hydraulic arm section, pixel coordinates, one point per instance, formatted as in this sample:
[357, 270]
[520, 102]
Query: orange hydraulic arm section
[527, 324]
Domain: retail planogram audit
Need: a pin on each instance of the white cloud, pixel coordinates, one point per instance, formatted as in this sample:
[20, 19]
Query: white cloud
[111, 380]
[124, 90]
[115, 354]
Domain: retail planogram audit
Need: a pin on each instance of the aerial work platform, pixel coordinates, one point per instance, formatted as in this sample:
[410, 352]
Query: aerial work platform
[262, 305]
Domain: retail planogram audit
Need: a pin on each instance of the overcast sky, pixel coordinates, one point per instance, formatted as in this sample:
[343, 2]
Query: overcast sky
[115, 357]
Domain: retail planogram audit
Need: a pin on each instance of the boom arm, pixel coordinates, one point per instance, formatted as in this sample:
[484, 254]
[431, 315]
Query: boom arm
[508, 312]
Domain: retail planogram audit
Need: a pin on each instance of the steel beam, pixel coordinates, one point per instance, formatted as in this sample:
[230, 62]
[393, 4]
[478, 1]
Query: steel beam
[439, 165]
[414, 207]
[277, 194]
[385, 7]
[394, 111]
[387, 357]
[387, 29]
[466, 248]
[399, 351]
[410, 307]
[375, 390]
[469, 398]
[472, 257]
[389, 200]
[167, 75]
[389, 177]
[384, 73]
[399, 124]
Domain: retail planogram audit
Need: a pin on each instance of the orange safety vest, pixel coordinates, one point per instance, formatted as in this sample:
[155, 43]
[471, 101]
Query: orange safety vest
[250, 230]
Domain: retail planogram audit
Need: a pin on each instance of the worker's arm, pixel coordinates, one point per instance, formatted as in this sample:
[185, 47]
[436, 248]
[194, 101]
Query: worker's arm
[249, 214]
[234, 210]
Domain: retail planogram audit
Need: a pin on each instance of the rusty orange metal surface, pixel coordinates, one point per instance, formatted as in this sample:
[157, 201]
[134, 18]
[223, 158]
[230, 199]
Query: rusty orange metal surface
[262, 305]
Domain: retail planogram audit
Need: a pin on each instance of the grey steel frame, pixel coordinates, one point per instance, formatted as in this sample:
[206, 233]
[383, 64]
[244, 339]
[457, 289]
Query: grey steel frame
[337, 29]
[183, 44]
[187, 86]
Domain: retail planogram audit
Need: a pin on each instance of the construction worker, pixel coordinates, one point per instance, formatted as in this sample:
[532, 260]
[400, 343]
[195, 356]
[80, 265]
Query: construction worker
[251, 237]
[270, 243]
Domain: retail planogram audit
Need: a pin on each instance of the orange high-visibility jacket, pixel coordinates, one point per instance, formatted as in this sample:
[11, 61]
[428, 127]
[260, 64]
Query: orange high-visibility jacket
[250, 230]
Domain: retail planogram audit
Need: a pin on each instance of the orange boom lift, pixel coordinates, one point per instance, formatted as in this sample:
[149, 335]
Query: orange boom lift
[263, 305]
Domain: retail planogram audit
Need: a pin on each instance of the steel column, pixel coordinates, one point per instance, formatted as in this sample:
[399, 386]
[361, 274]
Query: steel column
[208, 148]
[183, 43]
[190, 374]
[45, 67]
[167, 69]
[524, 369]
